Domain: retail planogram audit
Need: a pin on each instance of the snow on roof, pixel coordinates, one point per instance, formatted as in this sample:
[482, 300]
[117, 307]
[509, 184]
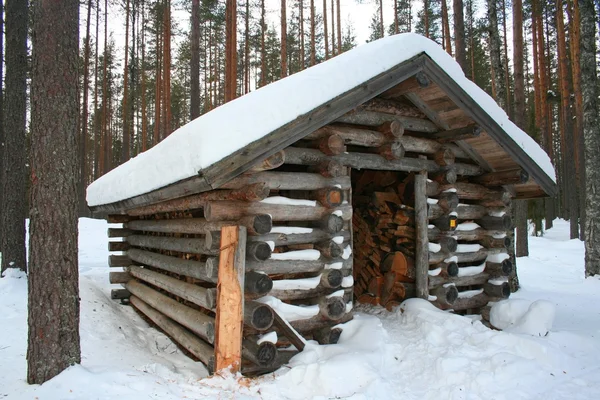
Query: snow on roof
[230, 127]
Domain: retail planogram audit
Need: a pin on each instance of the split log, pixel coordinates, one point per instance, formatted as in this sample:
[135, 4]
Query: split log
[445, 223]
[118, 246]
[287, 267]
[119, 277]
[445, 295]
[199, 323]
[435, 258]
[119, 261]
[372, 118]
[182, 245]
[512, 177]
[257, 284]
[258, 316]
[204, 297]
[178, 333]
[488, 222]
[501, 291]
[288, 181]
[463, 211]
[205, 271]
[299, 156]
[398, 263]
[273, 161]
[282, 239]
[327, 335]
[119, 294]
[256, 224]
[452, 135]
[232, 210]
[465, 303]
[471, 236]
[119, 232]
[252, 192]
[258, 251]
[260, 354]
[328, 197]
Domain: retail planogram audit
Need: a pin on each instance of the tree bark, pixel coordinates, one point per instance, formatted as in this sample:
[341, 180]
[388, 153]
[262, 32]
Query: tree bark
[325, 33]
[496, 61]
[446, 28]
[2, 144]
[84, 117]
[125, 151]
[14, 199]
[459, 34]
[230, 50]
[195, 61]
[284, 65]
[53, 304]
[591, 132]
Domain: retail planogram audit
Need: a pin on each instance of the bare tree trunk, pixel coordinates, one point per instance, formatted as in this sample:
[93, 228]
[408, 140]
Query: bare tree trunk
[14, 200]
[143, 89]
[125, 151]
[103, 134]
[496, 62]
[339, 27]
[263, 53]
[53, 343]
[2, 144]
[506, 70]
[459, 34]
[312, 33]
[381, 18]
[247, 50]
[446, 27]
[591, 132]
[195, 61]
[301, 16]
[325, 29]
[158, 88]
[284, 65]
[167, 69]
[97, 121]
[230, 50]
[84, 116]
[426, 15]
[396, 25]
[333, 47]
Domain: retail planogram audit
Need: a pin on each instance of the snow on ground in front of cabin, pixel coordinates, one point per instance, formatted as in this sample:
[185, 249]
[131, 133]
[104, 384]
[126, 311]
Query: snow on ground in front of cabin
[418, 353]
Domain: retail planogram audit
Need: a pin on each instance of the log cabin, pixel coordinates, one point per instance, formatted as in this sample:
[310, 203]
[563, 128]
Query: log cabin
[379, 175]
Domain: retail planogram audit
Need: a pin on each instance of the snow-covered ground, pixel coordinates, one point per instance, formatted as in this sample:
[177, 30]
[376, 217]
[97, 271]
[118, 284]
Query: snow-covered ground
[417, 353]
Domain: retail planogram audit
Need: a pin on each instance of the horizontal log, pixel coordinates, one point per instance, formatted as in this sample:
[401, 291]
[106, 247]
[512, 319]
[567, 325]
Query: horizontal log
[332, 308]
[263, 354]
[445, 296]
[258, 251]
[117, 218]
[465, 303]
[184, 338]
[373, 118]
[275, 267]
[482, 254]
[204, 297]
[447, 201]
[273, 161]
[329, 249]
[393, 107]
[445, 223]
[256, 283]
[327, 197]
[471, 236]
[205, 271]
[492, 270]
[258, 316]
[298, 156]
[281, 358]
[328, 168]
[118, 261]
[182, 245]
[501, 291]
[118, 246]
[463, 211]
[498, 269]
[495, 243]
[119, 232]
[119, 294]
[256, 224]
[512, 177]
[329, 145]
[119, 277]
[252, 192]
[199, 323]
[330, 280]
[448, 244]
[471, 191]
[452, 135]
[444, 157]
[488, 222]
[288, 181]
[232, 210]
[448, 269]
[309, 325]
[282, 239]
[332, 223]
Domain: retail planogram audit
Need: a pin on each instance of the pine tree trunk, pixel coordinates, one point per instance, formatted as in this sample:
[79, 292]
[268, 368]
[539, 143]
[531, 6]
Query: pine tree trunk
[263, 53]
[396, 24]
[125, 151]
[333, 47]
[158, 89]
[339, 27]
[459, 34]
[522, 246]
[301, 16]
[195, 61]
[325, 33]
[97, 121]
[247, 49]
[506, 70]
[284, 66]
[143, 88]
[426, 16]
[2, 144]
[591, 132]
[167, 69]
[53, 305]
[382, 30]
[312, 34]
[14, 201]
[83, 210]
[230, 50]
[496, 60]
[446, 27]
[103, 133]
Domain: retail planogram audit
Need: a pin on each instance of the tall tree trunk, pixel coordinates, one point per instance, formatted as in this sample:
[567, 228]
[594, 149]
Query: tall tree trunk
[53, 301]
[167, 69]
[97, 119]
[230, 50]
[247, 49]
[2, 144]
[426, 16]
[381, 29]
[459, 34]
[125, 151]
[471, 38]
[396, 24]
[301, 16]
[568, 151]
[339, 27]
[143, 88]
[506, 70]
[195, 61]
[522, 246]
[325, 29]
[84, 117]
[158, 90]
[14, 200]
[104, 133]
[284, 65]
[333, 47]
[446, 27]
[263, 53]
[496, 61]
[591, 132]
[312, 33]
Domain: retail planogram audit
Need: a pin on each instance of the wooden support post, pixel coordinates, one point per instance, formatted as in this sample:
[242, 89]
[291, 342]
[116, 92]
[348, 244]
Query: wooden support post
[230, 299]
[422, 248]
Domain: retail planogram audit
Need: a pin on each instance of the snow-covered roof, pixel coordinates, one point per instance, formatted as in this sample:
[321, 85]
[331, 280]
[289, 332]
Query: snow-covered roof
[231, 127]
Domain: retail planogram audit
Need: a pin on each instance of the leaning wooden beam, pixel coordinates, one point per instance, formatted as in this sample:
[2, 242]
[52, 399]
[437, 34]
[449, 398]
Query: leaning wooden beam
[273, 267]
[467, 132]
[288, 181]
[282, 239]
[288, 331]
[422, 252]
[230, 299]
[199, 323]
[480, 255]
[205, 271]
[298, 156]
[252, 192]
[182, 336]
[204, 297]
[257, 224]
[232, 210]
[182, 245]
[371, 118]
[306, 326]
[512, 177]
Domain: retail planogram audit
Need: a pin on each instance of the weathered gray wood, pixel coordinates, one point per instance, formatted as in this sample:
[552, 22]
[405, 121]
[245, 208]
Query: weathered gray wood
[289, 332]
[204, 297]
[401, 109]
[298, 156]
[480, 255]
[327, 335]
[258, 316]
[281, 358]
[256, 224]
[273, 267]
[118, 246]
[119, 294]
[447, 243]
[501, 291]
[332, 308]
[119, 277]
[463, 211]
[428, 111]
[205, 271]
[445, 176]
[199, 323]
[446, 296]
[471, 191]
[422, 241]
[329, 249]
[119, 232]
[257, 283]
[445, 223]
[444, 157]
[472, 235]
[466, 132]
[448, 269]
[331, 280]
[465, 303]
[512, 177]
[118, 261]
[490, 242]
[263, 354]
[288, 181]
[372, 118]
[273, 161]
[488, 222]
[182, 245]
[252, 192]
[495, 269]
[232, 210]
[282, 239]
[306, 326]
[178, 333]
[447, 201]
[258, 251]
